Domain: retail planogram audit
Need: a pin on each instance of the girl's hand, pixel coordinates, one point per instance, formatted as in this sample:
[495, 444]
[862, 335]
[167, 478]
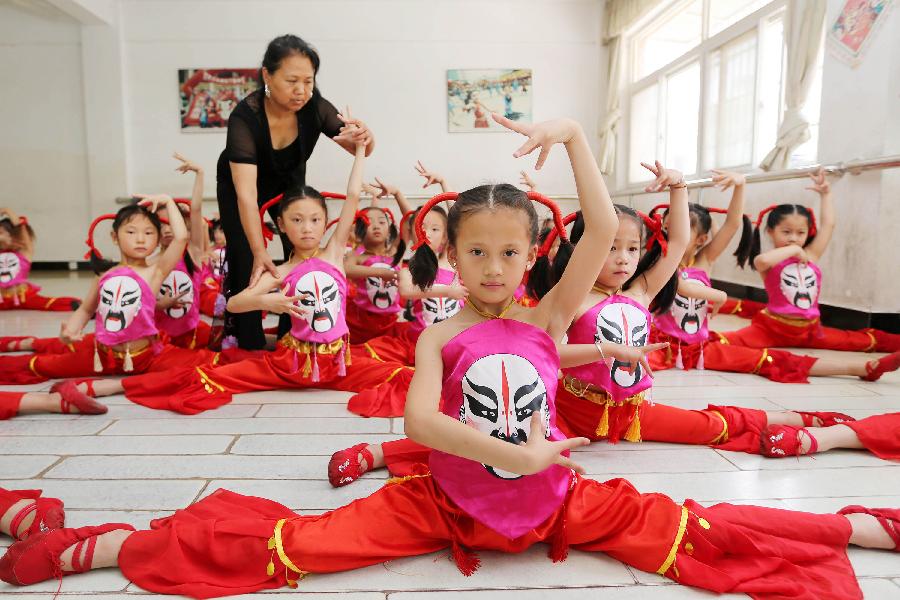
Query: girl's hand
[802, 255]
[716, 305]
[385, 189]
[457, 292]
[526, 180]
[664, 177]
[726, 179]
[186, 165]
[262, 263]
[153, 202]
[354, 130]
[820, 182]
[69, 336]
[431, 178]
[280, 302]
[541, 452]
[165, 301]
[372, 190]
[543, 135]
[386, 274]
[638, 354]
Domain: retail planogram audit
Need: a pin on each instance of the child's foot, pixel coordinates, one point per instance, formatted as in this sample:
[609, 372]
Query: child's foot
[13, 343]
[886, 364]
[33, 514]
[70, 397]
[348, 465]
[823, 419]
[888, 518]
[778, 441]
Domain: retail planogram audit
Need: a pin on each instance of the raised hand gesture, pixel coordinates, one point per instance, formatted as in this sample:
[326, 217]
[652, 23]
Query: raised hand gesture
[186, 164]
[385, 189]
[631, 354]
[664, 177]
[153, 202]
[820, 182]
[526, 180]
[431, 177]
[540, 135]
[726, 179]
[354, 130]
[282, 302]
[541, 452]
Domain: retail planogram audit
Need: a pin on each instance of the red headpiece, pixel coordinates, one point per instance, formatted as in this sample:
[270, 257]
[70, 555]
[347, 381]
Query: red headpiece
[554, 233]
[768, 209]
[404, 218]
[90, 238]
[655, 226]
[658, 207]
[268, 234]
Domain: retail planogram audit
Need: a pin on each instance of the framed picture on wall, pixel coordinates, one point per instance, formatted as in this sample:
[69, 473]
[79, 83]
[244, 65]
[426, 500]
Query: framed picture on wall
[473, 94]
[207, 96]
[854, 29]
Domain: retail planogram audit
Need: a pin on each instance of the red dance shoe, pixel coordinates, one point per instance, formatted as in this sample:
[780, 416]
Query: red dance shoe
[885, 364]
[13, 343]
[778, 441]
[889, 518]
[48, 515]
[827, 418]
[71, 396]
[344, 466]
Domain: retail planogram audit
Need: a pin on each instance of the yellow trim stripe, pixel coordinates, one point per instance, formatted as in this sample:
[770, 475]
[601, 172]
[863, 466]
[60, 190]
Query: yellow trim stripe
[31, 365]
[722, 437]
[205, 379]
[372, 352]
[670, 559]
[765, 355]
[394, 374]
[279, 547]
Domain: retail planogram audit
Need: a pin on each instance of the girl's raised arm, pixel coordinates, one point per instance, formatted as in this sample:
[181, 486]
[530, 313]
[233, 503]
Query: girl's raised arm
[825, 227]
[338, 241]
[199, 235]
[733, 219]
[174, 253]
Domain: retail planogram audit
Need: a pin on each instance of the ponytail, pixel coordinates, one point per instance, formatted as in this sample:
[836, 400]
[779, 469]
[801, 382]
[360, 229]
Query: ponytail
[423, 266]
[541, 280]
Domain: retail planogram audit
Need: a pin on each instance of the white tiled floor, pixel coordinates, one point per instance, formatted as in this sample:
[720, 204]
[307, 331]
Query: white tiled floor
[120, 467]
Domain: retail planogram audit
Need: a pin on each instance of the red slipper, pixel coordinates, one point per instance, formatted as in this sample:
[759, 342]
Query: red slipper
[778, 441]
[48, 515]
[71, 396]
[12, 343]
[828, 418]
[885, 364]
[344, 466]
[889, 518]
[37, 559]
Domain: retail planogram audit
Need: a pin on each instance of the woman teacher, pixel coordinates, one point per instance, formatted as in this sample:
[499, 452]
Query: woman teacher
[271, 134]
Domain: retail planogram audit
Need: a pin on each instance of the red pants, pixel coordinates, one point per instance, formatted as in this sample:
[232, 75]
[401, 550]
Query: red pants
[741, 307]
[208, 295]
[35, 368]
[366, 325]
[777, 365]
[766, 330]
[196, 338]
[9, 407]
[399, 347]
[28, 298]
[228, 543]
[197, 389]
[880, 434]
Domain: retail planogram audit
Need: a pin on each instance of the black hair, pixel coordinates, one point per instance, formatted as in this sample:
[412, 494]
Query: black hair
[214, 224]
[701, 222]
[360, 227]
[284, 46]
[777, 214]
[424, 264]
[15, 231]
[123, 216]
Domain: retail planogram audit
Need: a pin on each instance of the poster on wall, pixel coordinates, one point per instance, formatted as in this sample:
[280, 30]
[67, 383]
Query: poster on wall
[207, 96]
[473, 94]
[855, 28]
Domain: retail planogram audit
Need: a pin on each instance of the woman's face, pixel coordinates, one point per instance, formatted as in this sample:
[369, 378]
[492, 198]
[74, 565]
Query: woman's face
[291, 85]
[304, 223]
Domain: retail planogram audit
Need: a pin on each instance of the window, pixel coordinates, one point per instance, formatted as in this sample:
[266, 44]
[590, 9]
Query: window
[706, 87]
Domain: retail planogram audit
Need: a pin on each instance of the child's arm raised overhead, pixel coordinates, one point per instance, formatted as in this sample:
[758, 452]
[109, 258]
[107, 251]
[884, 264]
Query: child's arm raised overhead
[426, 425]
[199, 235]
[174, 253]
[733, 219]
[825, 227]
[334, 250]
[656, 277]
[432, 177]
[557, 309]
[392, 190]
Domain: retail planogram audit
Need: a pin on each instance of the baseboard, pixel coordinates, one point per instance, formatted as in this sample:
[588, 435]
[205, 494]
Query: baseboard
[60, 265]
[832, 316]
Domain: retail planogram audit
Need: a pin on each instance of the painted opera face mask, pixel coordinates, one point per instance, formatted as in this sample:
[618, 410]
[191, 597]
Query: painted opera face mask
[799, 285]
[624, 324]
[382, 294]
[689, 313]
[178, 284]
[321, 297]
[500, 393]
[435, 310]
[120, 302]
[9, 266]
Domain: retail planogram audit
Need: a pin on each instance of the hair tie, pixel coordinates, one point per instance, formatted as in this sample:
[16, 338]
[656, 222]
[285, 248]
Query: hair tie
[363, 215]
[90, 238]
[657, 207]
[332, 223]
[554, 233]
[405, 218]
[654, 226]
[419, 224]
[812, 223]
[720, 211]
[268, 234]
[763, 213]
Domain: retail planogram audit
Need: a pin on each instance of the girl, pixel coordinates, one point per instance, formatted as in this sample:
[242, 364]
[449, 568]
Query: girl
[16, 252]
[311, 289]
[214, 269]
[485, 377]
[685, 325]
[793, 282]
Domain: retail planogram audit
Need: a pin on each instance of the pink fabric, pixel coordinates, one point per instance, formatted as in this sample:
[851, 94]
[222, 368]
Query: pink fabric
[794, 289]
[326, 292]
[620, 320]
[434, 310]
[14, 269]
[125, 308]
[496, 375]
[687, 320]
[178, 321]
[218, 268]
[375, 295]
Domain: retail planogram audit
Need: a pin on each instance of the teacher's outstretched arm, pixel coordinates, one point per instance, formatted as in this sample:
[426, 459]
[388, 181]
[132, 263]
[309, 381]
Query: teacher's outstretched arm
[244, 177]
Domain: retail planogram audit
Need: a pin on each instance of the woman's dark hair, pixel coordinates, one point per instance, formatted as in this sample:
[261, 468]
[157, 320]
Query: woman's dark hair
[424, 264]
[776, 215]
[125, 215]
[360, 227]
[284, 46]
[701, 222]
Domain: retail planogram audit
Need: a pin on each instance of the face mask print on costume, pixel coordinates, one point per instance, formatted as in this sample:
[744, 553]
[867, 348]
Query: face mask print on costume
[382, 294]
[689, 313]
[120, 302]
[624, 324]
[178, 284]
[320, 295]
[799, 285]
[218, 262]
[435, 310]
[500, 393]
[9, 266]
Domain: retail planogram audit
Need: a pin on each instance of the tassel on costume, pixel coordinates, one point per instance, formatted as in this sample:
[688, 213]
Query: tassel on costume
[342, 357]
[559, 544]
[633, 434]
[679, 362]
[98, 366]
[307, 366]
[296, 363]
[603, 426]
[700, 365]
[466, 562]
[127, 364]
[315, 363]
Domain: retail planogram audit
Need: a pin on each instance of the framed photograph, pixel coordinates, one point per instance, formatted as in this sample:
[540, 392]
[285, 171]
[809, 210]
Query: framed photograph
[855, 27]
[207, 96]
[473, 94]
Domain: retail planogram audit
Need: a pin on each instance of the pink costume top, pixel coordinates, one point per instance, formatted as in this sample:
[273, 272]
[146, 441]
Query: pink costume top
[620, 320]
[125, 307]
[687, 319]
[374, 294]
[496, 375]
[178, 320]
[793, 289]
[324, 291]
[429, 311]
[217, 267]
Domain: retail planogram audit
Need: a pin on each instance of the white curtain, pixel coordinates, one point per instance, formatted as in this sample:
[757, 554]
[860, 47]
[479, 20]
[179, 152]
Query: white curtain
[803, 38]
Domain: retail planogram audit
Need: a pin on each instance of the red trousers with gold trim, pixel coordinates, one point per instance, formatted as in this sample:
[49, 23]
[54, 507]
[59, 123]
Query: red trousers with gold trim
[9, 407]
[365, 325]
[741, 307]
[208, 295]
[880, 434]
[196, 389]
[399, 347]
[229, 543]
[777, 365]
[193, 339]
[30, 299]
[766, 331]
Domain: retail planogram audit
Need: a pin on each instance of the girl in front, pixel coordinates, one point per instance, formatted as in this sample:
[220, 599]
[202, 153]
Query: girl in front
[485, 377]
[16, 252]
[793, 282]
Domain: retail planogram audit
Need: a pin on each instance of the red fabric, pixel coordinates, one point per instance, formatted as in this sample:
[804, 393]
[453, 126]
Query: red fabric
[218, 546]
[405, 457]
[777, 365]
[741, 307]
[208, 296]
[765, 331]
[193, 390]
[880, 434]
[34, 301]
[399, 347]
[365, 325]
[9, 407]
[192, 340]
[10, 497]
